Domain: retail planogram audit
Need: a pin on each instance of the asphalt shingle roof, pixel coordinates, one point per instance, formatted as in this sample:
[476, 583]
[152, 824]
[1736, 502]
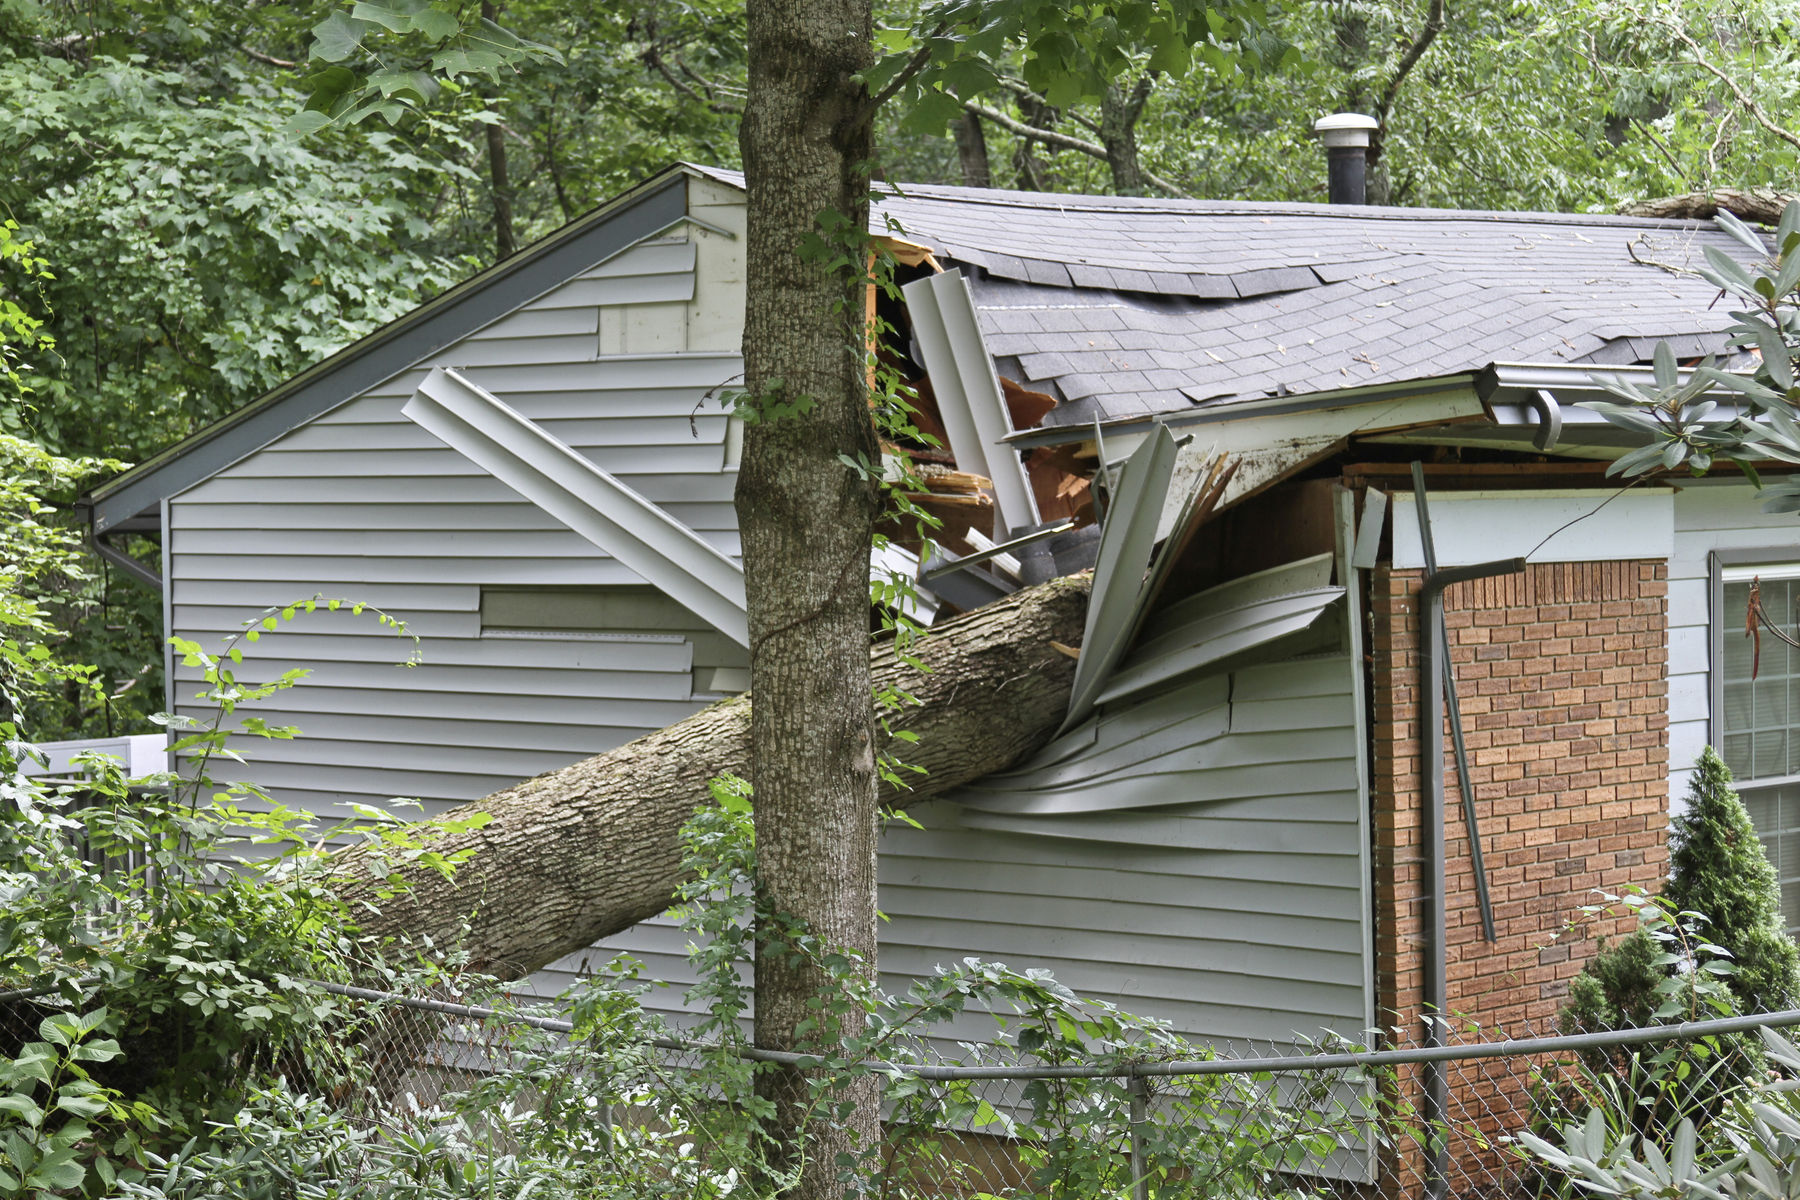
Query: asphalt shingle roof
[1124, 306]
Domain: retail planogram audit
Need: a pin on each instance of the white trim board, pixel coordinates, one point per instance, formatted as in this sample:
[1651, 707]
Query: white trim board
[1582, 525]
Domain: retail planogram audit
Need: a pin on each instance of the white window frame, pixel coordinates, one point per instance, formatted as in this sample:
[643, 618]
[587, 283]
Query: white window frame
[1740, 566]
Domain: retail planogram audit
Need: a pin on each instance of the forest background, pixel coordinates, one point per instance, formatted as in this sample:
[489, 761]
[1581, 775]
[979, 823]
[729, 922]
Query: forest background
[188, 250]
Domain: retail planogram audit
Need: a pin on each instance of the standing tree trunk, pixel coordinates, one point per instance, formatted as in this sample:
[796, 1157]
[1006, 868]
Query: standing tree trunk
[806, 520]
[972, 151]
[1119, 113]
[501, 186]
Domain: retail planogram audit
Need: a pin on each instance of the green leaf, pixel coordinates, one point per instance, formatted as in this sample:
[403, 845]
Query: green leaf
[435, 24]
[23, 1108]
[387, 18]
[338, 36]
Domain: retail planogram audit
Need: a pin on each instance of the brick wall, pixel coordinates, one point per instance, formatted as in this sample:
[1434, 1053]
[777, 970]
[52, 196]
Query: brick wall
[1561, 672]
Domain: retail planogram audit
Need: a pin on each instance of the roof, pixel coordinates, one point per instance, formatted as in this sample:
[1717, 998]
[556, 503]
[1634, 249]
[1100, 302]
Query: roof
[1126, 308]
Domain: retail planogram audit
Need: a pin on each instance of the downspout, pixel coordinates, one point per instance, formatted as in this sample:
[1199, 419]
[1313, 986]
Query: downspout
[1431, 737]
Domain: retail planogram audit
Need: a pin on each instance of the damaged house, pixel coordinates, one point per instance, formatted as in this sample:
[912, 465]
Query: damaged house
[1216, 405]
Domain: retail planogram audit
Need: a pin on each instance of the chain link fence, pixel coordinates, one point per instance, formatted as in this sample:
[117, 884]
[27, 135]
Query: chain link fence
[982, 1119]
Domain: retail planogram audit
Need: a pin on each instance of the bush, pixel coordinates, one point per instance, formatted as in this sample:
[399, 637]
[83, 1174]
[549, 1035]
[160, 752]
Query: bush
[1718, 867]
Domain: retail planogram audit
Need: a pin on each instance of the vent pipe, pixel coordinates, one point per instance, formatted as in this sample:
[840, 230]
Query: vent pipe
[1346, 138]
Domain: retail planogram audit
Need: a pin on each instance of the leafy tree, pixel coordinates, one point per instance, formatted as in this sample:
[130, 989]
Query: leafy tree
[1718, 868]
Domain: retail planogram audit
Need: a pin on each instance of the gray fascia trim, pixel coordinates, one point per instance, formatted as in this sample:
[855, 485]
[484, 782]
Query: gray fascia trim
[395, 347]
[583, 496]
[1127, 545]
[1246, 410]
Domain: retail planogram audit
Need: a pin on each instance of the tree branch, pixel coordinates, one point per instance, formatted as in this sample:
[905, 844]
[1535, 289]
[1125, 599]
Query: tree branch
[1745, 101]
[1020, 88]
[1434, 24]
[1066, 141]
[652, 57]
[270, 60]
[913, 66]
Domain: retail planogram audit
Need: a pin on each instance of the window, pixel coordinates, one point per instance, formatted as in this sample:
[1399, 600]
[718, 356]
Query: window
[1756, 721]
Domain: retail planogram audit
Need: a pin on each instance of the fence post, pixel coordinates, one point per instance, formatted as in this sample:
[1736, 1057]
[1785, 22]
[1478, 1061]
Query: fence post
[1140, 1173]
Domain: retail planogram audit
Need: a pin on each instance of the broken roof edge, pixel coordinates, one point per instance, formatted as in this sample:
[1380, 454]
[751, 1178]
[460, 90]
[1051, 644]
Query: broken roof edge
[1088, 202]
[1272, 406]
[643, 211]
[1504, 389]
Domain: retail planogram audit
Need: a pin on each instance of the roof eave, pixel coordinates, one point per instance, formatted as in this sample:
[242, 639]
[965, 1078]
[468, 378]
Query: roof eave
[641, 212]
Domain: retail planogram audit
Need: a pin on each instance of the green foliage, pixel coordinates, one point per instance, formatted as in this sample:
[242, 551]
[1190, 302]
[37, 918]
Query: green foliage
[1752, 1150]
[42, 567]
[1717, 866]
[1668, 971]
[204, 255]
[1679, 428]
[1617, 988]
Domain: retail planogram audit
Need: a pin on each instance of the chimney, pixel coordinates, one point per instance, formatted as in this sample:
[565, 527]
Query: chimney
[1346, 138]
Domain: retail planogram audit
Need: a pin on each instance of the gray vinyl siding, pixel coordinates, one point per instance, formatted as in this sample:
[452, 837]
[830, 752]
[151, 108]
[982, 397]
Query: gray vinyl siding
[1709, 515]
[363, 504]
[1236, 918]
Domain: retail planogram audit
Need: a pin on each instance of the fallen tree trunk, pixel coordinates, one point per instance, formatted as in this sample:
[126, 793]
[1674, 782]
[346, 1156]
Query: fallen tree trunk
[586, 851]
[1761, 205]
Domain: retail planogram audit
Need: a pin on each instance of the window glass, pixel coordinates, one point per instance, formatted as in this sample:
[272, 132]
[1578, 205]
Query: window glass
[1759, 721]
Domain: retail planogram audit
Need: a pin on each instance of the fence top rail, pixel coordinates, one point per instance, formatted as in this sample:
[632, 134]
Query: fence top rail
[1290, 1063]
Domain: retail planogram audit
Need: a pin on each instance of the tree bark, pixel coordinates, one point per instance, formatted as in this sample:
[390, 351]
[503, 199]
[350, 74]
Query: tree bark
[1119, 113]
[588, 850]
[499, 183]
[972, 151]
[807, 517]
[1762, 205]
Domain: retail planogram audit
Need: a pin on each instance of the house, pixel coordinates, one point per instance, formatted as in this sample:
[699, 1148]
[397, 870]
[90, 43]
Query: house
[1233, 830]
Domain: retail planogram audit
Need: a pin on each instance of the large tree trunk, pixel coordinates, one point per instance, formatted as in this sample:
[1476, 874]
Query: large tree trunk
[807, 516]
[579, 853]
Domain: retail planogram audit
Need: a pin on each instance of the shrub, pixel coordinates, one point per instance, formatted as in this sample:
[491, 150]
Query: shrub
[1718, 867]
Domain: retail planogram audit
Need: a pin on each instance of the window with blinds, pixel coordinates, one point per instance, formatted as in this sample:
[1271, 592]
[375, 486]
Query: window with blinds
[1759, 718]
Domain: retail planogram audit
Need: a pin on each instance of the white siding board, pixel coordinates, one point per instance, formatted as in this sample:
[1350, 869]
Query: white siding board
[251, 596]
[519, 351]
[305, 575]
[219, 621]
[539, 320]
[661, 257]
[678, 459]
[1709, 515]
[270, 489]
[603, 714]
[615, 654]
[423, 518]
[619, 685]
[699, 428]
[472, 730]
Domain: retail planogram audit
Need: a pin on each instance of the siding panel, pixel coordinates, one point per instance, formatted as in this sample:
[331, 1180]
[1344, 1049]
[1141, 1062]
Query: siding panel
[1709, 515]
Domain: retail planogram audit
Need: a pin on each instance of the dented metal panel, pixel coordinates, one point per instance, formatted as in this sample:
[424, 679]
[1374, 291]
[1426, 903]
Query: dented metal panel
[1126, 542]
[588, 500]
[970, 401]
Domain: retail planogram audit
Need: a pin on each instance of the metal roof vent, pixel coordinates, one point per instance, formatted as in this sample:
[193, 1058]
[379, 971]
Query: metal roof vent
[1346, 138]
